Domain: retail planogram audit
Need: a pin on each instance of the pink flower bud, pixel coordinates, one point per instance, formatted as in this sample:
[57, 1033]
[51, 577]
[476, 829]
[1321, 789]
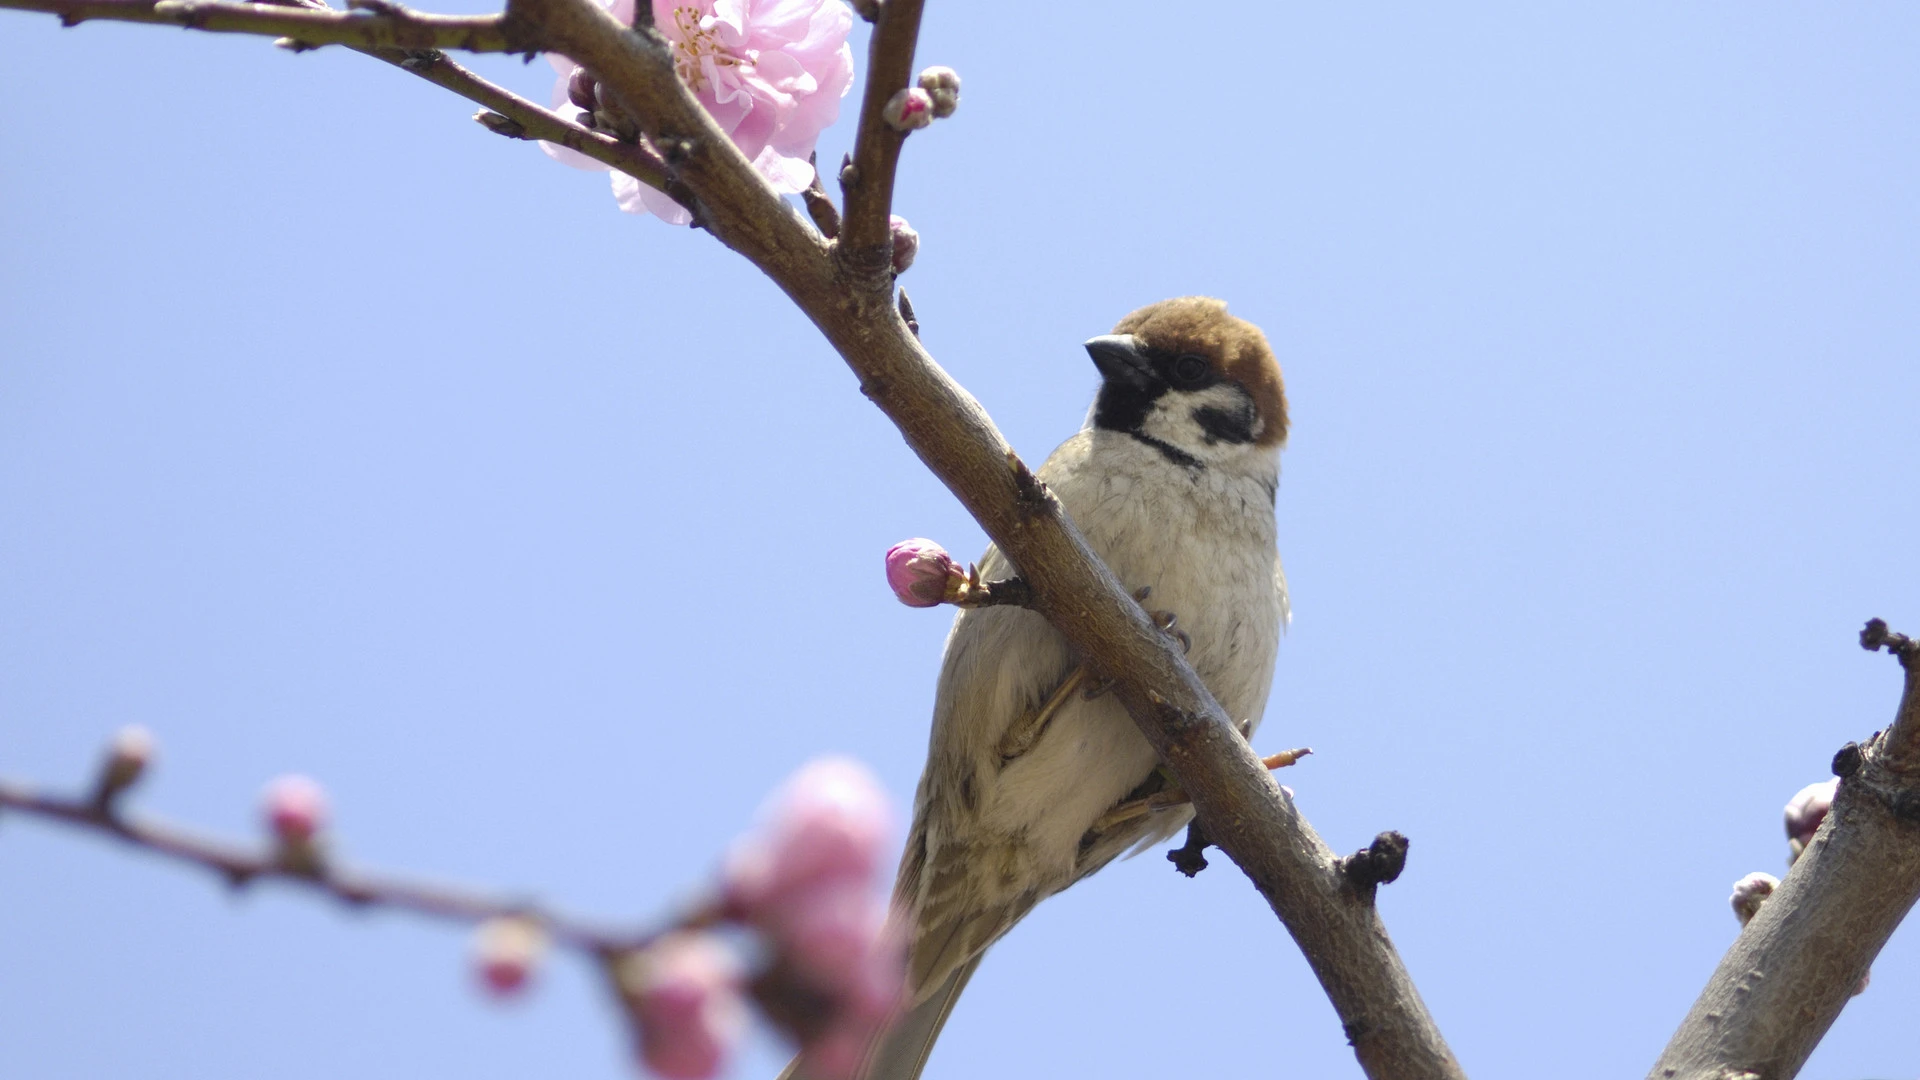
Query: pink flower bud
[906, 244]
[684, 993]
[908, 110]
[1749, 893]
[1805, 813]
[128, 756]
[921, 572]
[942, 84]
[506, 952]
[825, 828]
[295, 809]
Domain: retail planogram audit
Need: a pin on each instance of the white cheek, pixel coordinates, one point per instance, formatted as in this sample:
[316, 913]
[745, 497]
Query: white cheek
[1171, 419]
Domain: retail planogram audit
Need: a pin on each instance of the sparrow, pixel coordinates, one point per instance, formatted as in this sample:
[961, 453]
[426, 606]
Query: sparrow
[1034, 779]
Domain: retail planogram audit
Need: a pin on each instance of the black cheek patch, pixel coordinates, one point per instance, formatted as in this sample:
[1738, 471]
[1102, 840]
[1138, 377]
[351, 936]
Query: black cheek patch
[1121, 407]
[1225, 425]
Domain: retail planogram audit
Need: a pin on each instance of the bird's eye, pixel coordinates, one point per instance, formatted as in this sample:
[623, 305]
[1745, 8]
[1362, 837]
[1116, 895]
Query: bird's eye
[1190, 369]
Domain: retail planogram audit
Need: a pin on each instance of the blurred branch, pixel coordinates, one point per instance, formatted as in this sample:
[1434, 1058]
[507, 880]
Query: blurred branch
[240, 867]
[866, 243]
[1789, 973]
[371, 25]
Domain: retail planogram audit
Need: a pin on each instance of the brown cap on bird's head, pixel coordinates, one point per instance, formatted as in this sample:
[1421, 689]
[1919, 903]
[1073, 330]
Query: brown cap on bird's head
[1234, 347]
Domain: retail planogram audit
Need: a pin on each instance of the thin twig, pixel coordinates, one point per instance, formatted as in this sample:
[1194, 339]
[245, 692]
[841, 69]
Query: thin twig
[826, 216]
[390, 26]
[533, 121]
[239, 866]
[866, 238]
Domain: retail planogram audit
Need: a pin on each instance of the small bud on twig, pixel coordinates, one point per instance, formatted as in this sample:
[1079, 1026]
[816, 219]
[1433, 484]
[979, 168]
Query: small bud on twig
[128, 756]
[942, 84]
[506, 953]
[922, 574]
[1805, 811]
[1749, 893]
[906, 243]
[295, 808]
[908, 110]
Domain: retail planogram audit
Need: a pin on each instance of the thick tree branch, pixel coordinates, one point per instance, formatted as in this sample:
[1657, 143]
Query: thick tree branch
[373, 26]
[240, 867]
[866, 240]
[1789, 973]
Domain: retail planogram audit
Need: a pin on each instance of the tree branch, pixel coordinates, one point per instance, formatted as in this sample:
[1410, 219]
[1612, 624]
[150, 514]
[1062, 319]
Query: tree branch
[1789, 973]
[866, 240]
[240, 867]
[1244, 811]
[529, 120]
[371, 26]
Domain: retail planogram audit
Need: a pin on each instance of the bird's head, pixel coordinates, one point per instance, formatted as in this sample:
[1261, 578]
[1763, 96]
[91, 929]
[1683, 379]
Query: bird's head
[1192, 381]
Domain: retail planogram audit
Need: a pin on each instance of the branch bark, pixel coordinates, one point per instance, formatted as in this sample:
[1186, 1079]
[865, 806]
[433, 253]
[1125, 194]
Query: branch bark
[374, 26]
[1789, 973]
[866, 240]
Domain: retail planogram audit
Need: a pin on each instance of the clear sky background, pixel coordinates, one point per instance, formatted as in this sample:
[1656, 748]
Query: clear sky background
[340, 436]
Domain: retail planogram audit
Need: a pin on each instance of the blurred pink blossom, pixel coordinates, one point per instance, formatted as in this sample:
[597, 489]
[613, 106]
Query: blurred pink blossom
[1805, 811]
[771, 73]
[684, 991]
[295, 808]
[824, 829]
[920, 571]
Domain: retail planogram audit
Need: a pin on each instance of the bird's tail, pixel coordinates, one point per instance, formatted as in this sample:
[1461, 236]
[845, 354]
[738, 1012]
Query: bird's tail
[901, 1051]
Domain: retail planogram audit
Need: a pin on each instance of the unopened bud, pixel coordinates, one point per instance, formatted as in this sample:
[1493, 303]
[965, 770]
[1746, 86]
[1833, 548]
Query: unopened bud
[922, 574]
[1749, 893]
[506, 952]
[1805, 812]
[580, 89]
[908, 110]
[906, 244]
[128, 756]
[942, 84]
[296, 809]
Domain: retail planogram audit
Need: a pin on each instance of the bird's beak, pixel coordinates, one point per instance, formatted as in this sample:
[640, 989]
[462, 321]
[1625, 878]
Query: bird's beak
[1120, 359]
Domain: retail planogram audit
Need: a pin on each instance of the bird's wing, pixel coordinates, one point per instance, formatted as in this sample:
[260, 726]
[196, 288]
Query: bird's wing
[902, 1049]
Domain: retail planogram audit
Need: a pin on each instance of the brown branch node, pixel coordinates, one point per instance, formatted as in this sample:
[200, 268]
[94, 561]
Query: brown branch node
[1377, 864]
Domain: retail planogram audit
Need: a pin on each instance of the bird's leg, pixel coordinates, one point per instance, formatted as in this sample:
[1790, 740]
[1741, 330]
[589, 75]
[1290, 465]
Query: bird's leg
[1027, 730]
[1174, 796]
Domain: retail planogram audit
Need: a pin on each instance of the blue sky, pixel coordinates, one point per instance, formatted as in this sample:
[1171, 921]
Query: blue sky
[339, 436]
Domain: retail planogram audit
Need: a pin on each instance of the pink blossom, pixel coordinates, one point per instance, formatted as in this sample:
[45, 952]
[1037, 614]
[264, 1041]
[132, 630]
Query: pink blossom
[908, 110]
[920, 572]
[771, 73]
[825, 828]
[684, 991]
[295, 808]
[1805, 812]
